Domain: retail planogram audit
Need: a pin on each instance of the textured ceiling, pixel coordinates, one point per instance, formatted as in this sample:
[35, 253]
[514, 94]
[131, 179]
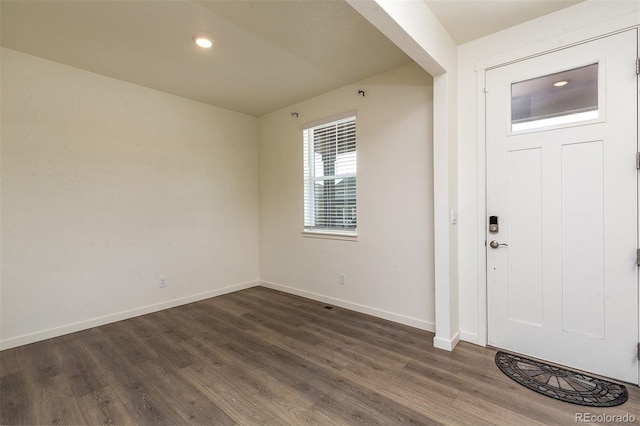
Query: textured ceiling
[267, 54]
[467, 20]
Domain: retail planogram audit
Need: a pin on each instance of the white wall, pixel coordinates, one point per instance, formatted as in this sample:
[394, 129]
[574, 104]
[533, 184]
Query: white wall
[106, 186]
[390, 268]
[415, 29]
[568, 26]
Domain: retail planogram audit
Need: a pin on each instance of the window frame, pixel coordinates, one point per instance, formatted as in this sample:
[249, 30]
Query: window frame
[311, 179]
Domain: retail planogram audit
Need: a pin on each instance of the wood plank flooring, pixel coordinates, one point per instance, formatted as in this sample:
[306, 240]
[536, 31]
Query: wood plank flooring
[264, 357]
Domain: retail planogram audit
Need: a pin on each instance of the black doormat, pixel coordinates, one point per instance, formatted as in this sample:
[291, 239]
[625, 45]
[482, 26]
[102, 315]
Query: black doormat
[560, 383]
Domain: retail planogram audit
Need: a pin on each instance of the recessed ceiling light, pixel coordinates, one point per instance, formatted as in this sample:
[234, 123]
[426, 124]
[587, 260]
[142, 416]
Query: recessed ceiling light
[560, 83]
[203, 41]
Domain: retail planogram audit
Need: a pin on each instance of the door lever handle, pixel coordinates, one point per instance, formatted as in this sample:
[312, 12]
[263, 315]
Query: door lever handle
[494, 244]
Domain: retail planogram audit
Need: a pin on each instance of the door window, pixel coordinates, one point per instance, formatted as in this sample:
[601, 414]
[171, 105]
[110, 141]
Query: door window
[561, 98]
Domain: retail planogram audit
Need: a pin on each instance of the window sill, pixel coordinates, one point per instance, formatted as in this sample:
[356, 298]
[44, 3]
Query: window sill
[331, 235]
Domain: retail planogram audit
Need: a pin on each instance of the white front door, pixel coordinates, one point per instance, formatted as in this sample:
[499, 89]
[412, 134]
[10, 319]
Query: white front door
[562, 185]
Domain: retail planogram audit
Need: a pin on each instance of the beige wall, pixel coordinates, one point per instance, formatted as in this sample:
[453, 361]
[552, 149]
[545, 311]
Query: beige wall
[107, 186]
[415, 29]
[390, 268]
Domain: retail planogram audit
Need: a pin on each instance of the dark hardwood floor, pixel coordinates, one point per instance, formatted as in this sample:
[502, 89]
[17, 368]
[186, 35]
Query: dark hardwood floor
[259, 356]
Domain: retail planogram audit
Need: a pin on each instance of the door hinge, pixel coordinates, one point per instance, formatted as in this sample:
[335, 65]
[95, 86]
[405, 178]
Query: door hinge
[637, 160]
[638, 257]
[637, 66]
[638, 351]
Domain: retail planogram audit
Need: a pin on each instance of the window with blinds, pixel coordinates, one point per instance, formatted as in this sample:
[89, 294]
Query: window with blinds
[330, 177]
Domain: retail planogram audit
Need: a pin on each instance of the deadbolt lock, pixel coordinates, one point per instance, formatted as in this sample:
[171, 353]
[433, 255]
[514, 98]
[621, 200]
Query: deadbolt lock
[493, 224]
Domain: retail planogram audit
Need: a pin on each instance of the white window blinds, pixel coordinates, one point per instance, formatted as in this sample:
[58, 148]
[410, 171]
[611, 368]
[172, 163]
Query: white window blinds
[330, 176]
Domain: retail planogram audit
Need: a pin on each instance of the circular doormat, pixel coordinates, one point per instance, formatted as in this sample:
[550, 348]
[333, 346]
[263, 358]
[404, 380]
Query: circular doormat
[560, 383]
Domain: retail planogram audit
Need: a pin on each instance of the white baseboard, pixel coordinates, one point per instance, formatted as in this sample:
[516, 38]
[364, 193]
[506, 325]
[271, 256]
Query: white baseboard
[25, 339]
[402, 319]
[446, 344]
[465, 336]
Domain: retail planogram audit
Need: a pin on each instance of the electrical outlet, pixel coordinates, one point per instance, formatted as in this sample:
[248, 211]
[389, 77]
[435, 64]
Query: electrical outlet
[343, 279]
[162, 282]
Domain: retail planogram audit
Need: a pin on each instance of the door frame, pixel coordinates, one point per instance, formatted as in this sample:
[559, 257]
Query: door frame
[482, 67]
